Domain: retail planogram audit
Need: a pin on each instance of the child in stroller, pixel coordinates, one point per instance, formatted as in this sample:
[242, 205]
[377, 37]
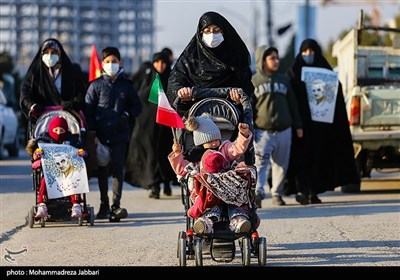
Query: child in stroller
[66, 130]
[218, 157]
[58, 134]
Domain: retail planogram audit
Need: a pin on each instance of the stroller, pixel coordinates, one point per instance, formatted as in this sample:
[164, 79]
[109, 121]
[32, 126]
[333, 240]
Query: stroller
[59, 209]
[220, 244]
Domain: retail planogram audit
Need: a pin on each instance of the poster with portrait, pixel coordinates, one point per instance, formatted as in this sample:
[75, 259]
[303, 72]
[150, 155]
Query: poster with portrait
[322, 87]
[64, 170]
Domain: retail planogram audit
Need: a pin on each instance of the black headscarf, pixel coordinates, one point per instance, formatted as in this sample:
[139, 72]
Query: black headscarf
[227, 65]
[39, 88]
[319, 59]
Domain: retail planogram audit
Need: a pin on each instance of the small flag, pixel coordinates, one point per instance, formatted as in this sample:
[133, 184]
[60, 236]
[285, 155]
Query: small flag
[95, 64]
[166, 115]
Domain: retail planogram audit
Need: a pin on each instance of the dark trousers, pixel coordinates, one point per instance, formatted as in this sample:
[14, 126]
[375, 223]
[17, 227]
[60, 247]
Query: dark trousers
[116, 169]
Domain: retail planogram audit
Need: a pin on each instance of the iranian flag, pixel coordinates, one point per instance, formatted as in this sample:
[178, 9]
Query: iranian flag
[166, 115]
[94, 65]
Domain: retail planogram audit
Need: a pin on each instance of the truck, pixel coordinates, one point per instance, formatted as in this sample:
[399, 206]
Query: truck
[370, 77]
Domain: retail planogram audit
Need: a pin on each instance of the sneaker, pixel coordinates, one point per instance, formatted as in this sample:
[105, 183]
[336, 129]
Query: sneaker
[119, 213]
[199, 226]
[259, 198]
[154, 192]
[41, 211]
[104, 212]
[314, 199]
[241, 225]
[203, 225]
[301, 198]
[76, 211]
[277, 200]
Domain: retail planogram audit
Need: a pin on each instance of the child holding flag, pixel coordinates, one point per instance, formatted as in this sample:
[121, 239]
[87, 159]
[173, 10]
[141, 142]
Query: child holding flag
[217, 157]
[112, 105]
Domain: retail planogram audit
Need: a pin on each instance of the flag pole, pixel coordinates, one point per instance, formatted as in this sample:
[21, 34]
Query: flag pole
[174, 135]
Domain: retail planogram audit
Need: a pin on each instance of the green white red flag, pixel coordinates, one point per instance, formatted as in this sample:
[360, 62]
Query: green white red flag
[166, 115]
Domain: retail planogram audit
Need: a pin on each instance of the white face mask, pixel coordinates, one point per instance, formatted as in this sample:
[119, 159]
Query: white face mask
[50, 59]
[213, 40]
[111, 68]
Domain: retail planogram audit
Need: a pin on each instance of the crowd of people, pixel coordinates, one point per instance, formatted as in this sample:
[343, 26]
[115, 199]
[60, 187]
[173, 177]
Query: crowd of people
[293, 153]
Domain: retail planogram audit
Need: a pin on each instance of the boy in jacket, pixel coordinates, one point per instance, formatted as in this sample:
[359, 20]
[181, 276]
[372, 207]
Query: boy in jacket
[112, 104]
[275, 113]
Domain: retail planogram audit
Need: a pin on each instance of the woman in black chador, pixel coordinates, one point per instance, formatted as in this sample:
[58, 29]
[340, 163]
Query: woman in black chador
[216, 57]
[324, 158]
[51, 80]
[147, 163]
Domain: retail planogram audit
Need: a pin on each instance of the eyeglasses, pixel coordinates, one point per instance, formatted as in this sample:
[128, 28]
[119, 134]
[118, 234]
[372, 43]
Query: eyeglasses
[212, 30]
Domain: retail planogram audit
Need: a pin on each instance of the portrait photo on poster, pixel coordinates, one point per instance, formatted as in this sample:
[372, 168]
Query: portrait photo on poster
[64, 170]
[322, 88]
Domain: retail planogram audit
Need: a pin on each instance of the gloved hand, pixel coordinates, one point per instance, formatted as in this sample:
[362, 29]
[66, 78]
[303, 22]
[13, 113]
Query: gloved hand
[82, 153]
[38, 154]
[67, 105]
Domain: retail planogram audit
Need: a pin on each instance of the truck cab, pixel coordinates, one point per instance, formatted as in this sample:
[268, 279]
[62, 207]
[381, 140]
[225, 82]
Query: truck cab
[370, 76]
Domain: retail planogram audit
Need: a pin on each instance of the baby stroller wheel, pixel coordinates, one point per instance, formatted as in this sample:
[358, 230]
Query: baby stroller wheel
[31, 216]
[198, 252]
[182, 248]
[246, 251]
[262, 251]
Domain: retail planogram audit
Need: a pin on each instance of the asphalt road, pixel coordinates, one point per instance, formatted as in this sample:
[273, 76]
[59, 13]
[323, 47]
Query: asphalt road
[345, 230]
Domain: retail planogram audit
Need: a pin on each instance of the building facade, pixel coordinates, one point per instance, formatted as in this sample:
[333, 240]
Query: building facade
[77, 24]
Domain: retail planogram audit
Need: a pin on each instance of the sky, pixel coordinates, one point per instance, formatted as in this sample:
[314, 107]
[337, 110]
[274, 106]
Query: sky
[176, 20]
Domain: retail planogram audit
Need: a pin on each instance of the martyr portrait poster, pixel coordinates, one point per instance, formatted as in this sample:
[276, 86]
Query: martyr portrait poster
[322, 88]
[64, 170]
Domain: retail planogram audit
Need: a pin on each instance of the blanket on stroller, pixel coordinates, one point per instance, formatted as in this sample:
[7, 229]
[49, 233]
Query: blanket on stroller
[232, 186]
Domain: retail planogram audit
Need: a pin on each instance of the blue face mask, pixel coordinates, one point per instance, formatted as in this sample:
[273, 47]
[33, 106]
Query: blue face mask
[308, 58]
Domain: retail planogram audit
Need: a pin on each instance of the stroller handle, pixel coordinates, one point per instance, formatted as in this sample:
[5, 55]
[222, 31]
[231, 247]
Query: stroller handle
[223, 92]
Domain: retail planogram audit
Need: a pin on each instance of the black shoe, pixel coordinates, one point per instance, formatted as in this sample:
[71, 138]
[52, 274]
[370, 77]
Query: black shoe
[277, 200]
[119, 213]
[104, 212]
[259, 199]
[113, 219]
[167, 189]
[301, 198]
[154, 192]
[314, 199]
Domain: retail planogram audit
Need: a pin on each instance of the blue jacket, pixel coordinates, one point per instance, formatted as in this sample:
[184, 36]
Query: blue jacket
[111, 108]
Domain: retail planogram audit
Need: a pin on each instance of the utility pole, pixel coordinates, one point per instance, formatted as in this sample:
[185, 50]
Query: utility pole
[307, 19]
[269, 23]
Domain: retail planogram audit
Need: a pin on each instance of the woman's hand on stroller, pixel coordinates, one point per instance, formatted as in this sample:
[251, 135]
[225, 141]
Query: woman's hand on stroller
[185, 94]
[36, 110]
[244, 129]
[236, 94]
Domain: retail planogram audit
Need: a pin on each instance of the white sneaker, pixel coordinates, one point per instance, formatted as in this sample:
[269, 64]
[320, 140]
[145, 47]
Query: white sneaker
[76, 211]
[199, 226]
[240, 224]
[203, 225]
[41, 211]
